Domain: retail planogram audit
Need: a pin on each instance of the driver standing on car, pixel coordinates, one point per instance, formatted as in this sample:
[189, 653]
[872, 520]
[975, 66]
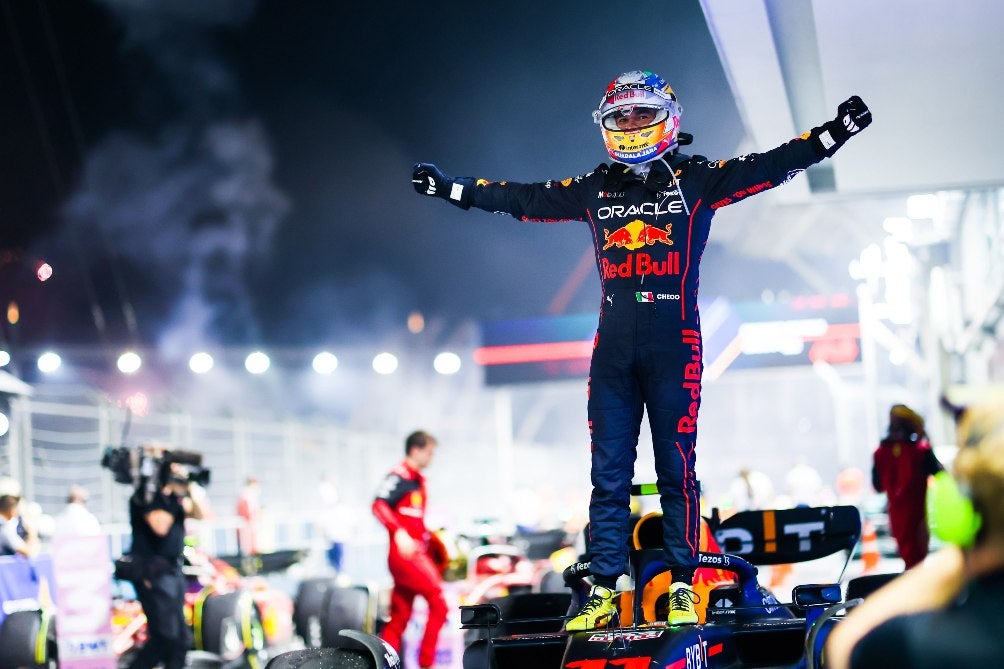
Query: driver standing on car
[158, 540]
[400, 506]
[649, 213]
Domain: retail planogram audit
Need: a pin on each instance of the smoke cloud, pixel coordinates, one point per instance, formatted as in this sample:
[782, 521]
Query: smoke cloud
[183, 204]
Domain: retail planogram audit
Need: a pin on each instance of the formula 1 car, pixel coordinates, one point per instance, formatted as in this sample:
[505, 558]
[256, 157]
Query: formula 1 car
[742, 623]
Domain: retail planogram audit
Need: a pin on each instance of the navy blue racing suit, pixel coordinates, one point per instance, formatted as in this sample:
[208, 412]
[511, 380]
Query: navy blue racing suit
[649, 235]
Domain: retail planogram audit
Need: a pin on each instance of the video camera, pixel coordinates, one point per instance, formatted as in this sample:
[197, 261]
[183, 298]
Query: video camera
[134, 466]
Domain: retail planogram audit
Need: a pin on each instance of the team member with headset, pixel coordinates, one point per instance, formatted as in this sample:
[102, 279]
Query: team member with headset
[945, 611]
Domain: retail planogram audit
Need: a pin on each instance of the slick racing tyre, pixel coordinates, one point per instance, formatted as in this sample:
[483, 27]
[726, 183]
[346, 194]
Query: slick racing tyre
[230, 626]
[322, 658]
[350, 650]
[308, 609]
[27, 639]
[349, 608]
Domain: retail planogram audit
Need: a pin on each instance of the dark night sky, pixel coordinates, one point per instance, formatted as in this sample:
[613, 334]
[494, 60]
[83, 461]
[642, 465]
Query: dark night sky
[239, 172]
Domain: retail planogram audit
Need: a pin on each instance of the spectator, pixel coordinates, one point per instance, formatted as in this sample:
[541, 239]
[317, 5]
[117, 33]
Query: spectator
[803, 484]
[901, 464]
[249, 509]
[16, 537]
[850, 486]
[946, 611]
[336, 524]
[751, 489]
[76, 519]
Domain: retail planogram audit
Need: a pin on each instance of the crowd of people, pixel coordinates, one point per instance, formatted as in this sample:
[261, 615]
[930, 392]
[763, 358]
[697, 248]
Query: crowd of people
[20, 520]
[953, 589]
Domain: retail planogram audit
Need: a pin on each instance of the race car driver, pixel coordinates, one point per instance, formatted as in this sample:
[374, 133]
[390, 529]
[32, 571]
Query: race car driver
[650, 214]
[400, 506]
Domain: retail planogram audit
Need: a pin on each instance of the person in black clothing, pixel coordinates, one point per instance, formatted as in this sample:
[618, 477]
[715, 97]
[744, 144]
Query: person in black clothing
[945, 611]
[157, 518]
[649, 213]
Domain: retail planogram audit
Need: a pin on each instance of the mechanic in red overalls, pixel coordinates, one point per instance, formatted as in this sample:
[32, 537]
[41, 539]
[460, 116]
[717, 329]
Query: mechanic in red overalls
[400, 506]
[649, 213]
[901, 464]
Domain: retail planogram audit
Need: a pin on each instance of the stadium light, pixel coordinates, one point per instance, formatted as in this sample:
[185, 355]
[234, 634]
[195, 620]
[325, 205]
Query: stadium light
[325, 363]
[257, 362]
[4, 358]
[385, 363]
[200, 362]
[129, 362]
[49, 362]
[446, 363]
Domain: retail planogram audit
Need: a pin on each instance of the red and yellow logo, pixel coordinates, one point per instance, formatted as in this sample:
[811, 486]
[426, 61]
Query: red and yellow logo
[637, 234]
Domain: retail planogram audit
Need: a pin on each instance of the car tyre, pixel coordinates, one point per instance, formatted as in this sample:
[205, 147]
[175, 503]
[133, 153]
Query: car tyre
[231, 627]
[346, 608]
[19, 636]
[322, 658]
[308, 609]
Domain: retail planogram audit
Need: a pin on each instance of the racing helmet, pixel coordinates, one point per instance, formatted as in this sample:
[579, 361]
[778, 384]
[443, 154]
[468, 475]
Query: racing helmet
[630, 93]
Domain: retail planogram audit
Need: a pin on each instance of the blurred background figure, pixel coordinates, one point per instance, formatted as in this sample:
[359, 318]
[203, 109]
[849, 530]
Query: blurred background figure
[901, 464]
[751, 489]
[803, 484]
[249, 510]
[76, 519]
[16, 536]
[336, 522]
[850, 486]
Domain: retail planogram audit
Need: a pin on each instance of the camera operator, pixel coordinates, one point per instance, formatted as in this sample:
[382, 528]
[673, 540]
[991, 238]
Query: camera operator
[157, 515]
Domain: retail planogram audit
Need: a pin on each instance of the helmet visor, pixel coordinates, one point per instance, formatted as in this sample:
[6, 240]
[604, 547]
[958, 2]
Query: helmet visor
[634, 117]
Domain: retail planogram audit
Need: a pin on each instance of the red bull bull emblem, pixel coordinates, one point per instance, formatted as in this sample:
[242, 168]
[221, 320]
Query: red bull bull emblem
[637, 234]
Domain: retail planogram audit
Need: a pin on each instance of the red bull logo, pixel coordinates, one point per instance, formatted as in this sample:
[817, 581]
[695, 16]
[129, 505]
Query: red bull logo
[637, 234]
[641, 264]
[691, 381]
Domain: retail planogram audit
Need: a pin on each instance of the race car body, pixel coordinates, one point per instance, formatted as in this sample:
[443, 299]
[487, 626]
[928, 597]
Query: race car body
[746, 625]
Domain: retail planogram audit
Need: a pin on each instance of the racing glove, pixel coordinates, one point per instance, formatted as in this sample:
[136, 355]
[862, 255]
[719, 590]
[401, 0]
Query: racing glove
[428, 180]
[853, 116]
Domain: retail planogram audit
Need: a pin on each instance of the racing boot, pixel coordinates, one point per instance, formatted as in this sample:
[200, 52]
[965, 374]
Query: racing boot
[681, 604]
[596, 612]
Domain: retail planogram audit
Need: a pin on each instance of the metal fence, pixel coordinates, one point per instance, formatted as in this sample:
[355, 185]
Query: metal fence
[54, 445]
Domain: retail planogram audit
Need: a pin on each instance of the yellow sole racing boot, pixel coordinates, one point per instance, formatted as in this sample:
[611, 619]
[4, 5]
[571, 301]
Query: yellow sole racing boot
[596, 612]
[682, 599]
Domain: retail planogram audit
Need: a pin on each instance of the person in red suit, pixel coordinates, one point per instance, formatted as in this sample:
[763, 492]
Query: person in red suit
[901, 464]
[400, 506]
